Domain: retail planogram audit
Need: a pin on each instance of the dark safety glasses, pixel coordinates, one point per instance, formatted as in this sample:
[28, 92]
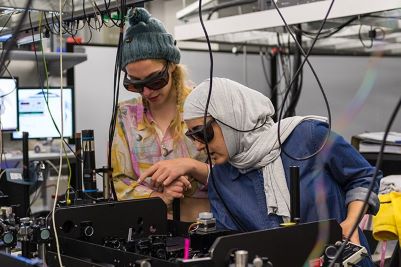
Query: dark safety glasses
[197, 133]
[155, 81]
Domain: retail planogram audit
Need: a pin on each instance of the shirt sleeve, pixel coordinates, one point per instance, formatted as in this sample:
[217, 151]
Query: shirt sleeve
[127, 188]
[349, 168]
[124, 177]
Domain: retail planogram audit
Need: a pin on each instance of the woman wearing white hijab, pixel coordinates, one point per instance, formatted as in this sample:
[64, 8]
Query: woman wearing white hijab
[251, 172]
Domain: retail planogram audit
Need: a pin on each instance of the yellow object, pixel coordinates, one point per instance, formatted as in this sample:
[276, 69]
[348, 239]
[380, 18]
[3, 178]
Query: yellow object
[387, 222]
[288, 224]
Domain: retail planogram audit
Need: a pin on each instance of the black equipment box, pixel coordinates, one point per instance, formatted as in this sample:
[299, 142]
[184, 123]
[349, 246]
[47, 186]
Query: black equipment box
[97, 222]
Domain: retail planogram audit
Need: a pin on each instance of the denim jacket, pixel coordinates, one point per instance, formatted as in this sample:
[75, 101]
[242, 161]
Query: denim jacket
[336, 176]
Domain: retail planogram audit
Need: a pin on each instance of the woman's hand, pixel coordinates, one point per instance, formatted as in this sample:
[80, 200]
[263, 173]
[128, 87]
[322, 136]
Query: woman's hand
[163, 173]
[346, 226]
[174, 190]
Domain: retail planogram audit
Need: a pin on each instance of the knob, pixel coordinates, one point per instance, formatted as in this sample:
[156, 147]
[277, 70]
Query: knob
[8, 238]
[88, 231]
[44, 234]
[330, 252]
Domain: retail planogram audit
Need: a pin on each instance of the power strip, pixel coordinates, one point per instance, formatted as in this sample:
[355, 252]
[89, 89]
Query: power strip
[351, 255]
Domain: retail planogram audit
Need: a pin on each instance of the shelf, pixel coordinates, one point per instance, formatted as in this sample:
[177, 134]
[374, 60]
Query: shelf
[371, 156]
[52, 59]
[52, 7]
[259, 28]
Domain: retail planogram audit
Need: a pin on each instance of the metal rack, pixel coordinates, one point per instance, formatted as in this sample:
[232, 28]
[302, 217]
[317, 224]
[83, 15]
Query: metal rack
[72, 9]
[256, 27]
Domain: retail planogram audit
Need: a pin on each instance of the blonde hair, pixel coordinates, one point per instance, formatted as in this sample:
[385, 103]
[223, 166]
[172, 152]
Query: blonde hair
[178, 84]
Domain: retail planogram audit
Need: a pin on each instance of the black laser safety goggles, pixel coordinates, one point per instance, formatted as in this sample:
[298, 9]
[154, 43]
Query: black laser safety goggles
[155, 81]
[197, 133]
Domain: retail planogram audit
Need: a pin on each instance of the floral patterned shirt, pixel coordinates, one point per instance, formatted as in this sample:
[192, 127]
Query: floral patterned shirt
[135, 149]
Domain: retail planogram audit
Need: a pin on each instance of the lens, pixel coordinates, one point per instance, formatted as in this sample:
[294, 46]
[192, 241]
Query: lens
[157, 84]
[133, 88]
[201, 137]
[197, 133]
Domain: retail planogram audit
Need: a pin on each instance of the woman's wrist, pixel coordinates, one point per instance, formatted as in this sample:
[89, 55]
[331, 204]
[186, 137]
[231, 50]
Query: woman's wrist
[198, 170]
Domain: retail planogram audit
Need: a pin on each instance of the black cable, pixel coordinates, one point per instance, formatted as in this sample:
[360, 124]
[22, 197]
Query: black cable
[91, 35]
[52, 31]
[10, 44]
[372, 183]
[55, 29]
[42, 84]
[88, 19]
[282, 61]
[288, 55]
[327, 32]
[361, 39]
[106, 7]
[285, 63]
[234, 218]
[229, 4]
[74, 28]
[294, 94]
[6, 64]
[273, 88]
[306, 55]
[85, 16]
[296, 88]
[66, 27]
[286, 66]
[96, 7]
[262, 58]
[117, 76]
[116, 91]
[276, 92]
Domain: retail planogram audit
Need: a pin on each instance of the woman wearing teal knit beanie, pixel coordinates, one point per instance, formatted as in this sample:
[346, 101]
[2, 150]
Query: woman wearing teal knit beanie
[150, 130]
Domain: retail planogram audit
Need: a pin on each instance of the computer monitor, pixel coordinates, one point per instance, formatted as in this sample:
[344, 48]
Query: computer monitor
[34, 116]
[8, 104]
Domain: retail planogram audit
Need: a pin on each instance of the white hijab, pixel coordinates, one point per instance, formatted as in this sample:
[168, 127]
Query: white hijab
[244, 108]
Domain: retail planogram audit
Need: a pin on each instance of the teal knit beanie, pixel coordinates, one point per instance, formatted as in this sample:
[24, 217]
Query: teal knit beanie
[146, 38]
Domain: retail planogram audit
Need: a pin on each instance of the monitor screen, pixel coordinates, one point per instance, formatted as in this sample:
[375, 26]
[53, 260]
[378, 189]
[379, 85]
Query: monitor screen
[8, 104]
[34, 116]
